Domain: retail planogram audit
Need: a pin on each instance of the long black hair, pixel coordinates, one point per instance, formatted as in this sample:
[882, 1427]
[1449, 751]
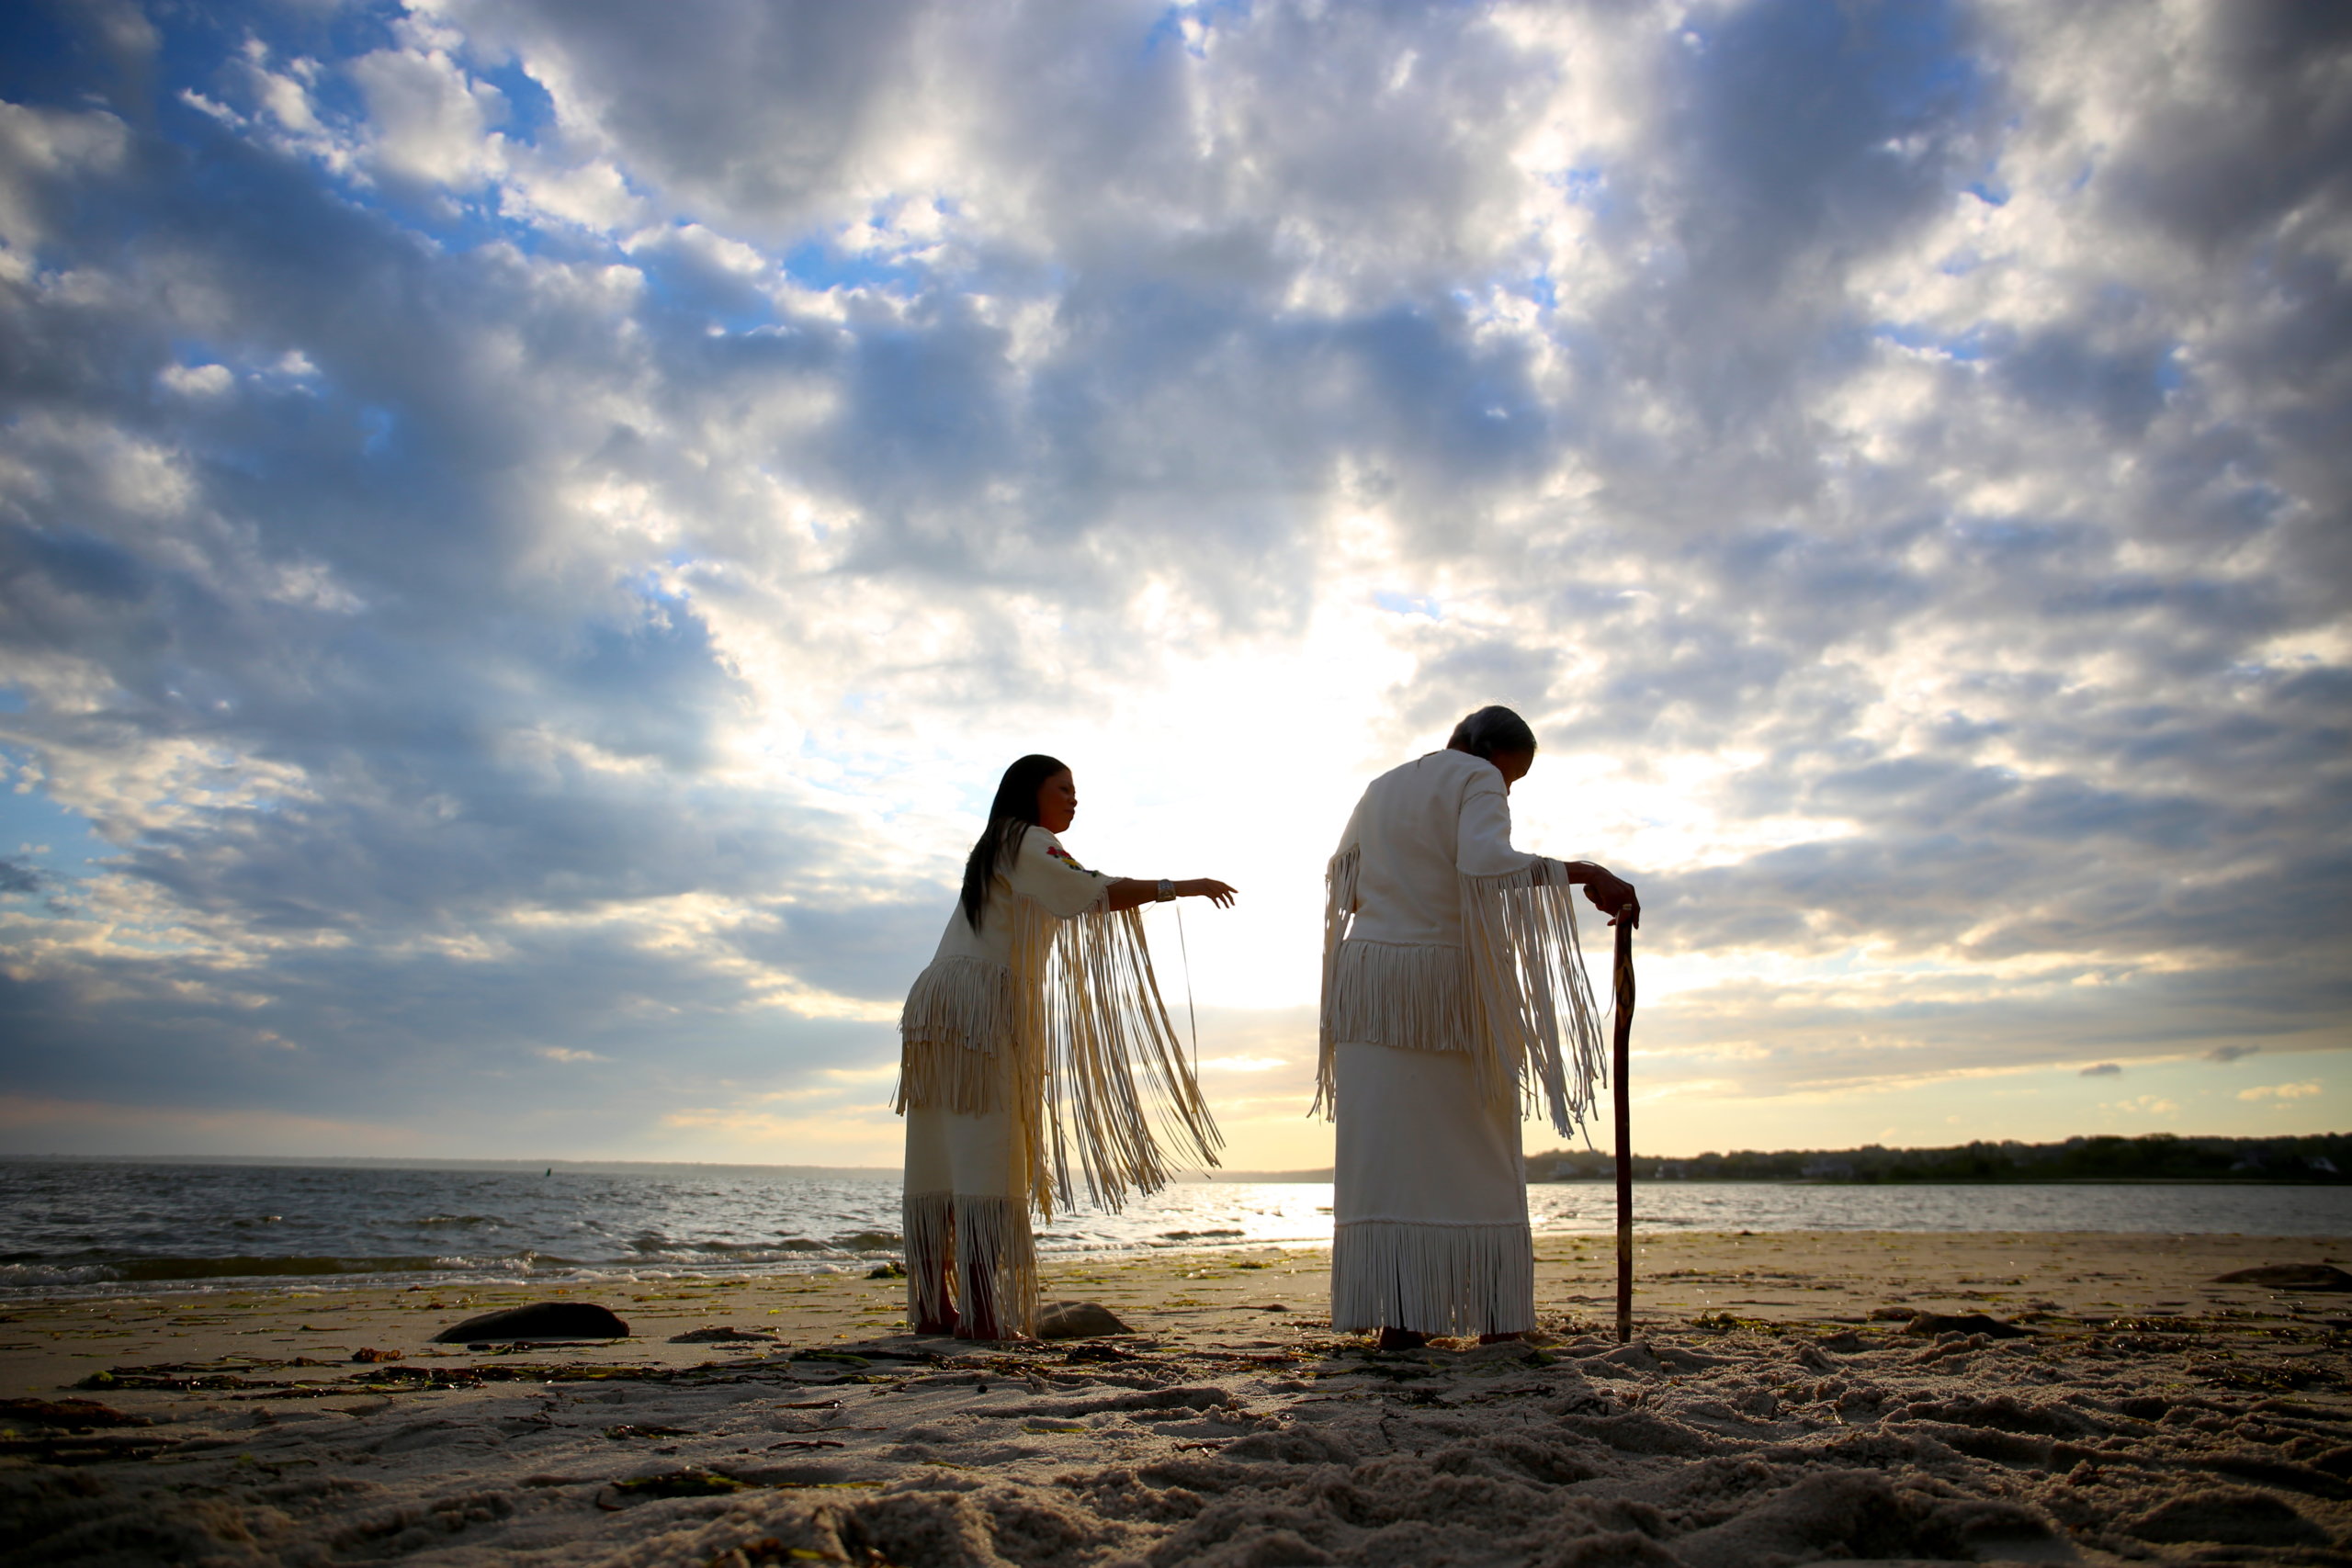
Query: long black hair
[1012, 814]
[1490, 730]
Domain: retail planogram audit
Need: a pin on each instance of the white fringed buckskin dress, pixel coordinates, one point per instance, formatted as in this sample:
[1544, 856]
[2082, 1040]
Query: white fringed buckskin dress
[1455, 1000]
[1032, 1045]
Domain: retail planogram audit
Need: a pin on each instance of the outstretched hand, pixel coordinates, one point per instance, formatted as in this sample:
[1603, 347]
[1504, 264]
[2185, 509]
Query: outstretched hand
[1129, 892]
[1209, 887]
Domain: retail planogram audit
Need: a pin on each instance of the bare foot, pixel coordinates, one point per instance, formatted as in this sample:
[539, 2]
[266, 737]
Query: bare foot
[1402, 1339]
[1515, 1334]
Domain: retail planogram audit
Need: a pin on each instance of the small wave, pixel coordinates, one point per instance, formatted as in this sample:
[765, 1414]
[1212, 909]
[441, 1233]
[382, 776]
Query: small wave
[870, 1241]
[239, 1268]
[747, 1249]
[60, 1271]
[707, 1259]
[15, 1274]
[705, 1256]
[528, 1263]
[456, 1220]
[662, 1246]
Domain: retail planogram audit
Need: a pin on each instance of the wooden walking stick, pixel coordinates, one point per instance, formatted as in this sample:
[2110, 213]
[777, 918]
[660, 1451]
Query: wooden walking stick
[1623, 984]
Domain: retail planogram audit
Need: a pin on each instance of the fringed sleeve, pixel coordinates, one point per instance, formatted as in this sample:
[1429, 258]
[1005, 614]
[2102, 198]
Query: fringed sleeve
[1339, 911]
[1542, 1039]
[1118, 1093]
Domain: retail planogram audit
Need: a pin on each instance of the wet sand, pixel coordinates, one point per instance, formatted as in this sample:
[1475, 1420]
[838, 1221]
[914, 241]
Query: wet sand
[1789, 1398]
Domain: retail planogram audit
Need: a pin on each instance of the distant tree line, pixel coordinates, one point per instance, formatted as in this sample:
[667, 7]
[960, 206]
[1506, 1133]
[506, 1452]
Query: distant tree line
[2155, 1157]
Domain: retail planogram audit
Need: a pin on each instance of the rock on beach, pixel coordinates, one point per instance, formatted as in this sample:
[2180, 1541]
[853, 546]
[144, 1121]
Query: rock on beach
[1078, 1320]
[2289, 1276]
[541, 1320]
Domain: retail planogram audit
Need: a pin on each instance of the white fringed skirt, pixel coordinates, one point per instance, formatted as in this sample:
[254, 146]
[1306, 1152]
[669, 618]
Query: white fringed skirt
[967, 1214]
[1430, 1200]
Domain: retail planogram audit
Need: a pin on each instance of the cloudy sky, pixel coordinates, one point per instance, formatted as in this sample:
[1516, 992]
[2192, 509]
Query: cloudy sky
[529, 528]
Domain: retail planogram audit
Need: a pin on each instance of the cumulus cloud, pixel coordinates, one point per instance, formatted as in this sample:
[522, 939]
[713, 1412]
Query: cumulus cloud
[526, 530]
[2281, 1091]
[2103, 1070]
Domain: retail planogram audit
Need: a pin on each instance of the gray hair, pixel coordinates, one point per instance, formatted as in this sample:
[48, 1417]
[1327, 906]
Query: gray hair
[1489, 730]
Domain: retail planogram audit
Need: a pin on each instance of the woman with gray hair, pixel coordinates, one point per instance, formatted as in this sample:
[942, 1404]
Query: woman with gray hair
[1453, 996]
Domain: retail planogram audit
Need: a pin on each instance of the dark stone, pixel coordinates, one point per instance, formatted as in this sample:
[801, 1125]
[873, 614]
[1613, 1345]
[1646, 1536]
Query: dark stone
[1964, 1322]
[1078, 1320]
[725, 1333]
[541, 1320]
[2289, 1276]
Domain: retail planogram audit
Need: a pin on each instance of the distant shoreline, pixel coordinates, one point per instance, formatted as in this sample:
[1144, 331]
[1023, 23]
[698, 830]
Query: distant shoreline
[1646, 1179]
[2322, 1160]
[1641, 1177]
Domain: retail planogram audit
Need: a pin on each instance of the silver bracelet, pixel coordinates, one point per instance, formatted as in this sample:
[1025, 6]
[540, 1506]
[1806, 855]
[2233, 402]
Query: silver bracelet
[1167, 890]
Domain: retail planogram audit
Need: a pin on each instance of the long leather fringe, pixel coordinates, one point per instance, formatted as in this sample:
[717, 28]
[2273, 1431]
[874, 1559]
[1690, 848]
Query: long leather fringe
[1543, 1032]
[961, 1013]
[1095, 1078]
[925, 1219]
[1514, 996]
[1117, 1079]
[1339, 913]
[986, 1244]
[996, 1263]
[1413, 996]
[1432, 1278]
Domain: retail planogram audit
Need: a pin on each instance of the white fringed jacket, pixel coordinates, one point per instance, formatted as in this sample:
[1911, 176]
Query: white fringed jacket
[1438, 936]
[1049, 1012]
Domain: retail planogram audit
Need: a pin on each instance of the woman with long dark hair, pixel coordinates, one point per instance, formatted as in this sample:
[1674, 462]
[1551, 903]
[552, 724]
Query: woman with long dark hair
[1036, 1034]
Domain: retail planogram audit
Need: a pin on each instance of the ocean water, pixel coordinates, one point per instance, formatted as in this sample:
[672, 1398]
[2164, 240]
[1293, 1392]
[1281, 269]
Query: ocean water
[108, 1225]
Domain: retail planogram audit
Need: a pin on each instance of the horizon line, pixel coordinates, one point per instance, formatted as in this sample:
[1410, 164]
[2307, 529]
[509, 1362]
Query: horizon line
[1307, 1173]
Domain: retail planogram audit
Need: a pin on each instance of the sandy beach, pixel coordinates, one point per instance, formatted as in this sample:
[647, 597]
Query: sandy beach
[1789, 1398]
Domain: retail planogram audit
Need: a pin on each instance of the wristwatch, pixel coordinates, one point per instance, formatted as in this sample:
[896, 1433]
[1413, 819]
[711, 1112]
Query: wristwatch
[1167, 890]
